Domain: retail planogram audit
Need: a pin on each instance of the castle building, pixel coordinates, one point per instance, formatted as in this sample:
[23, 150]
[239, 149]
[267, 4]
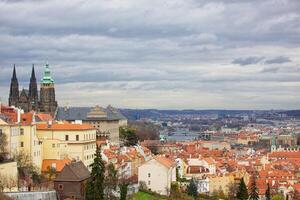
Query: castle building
[29, 100]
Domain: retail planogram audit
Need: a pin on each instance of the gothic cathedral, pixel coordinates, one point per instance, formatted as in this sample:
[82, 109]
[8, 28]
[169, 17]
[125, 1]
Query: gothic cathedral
[29, 100]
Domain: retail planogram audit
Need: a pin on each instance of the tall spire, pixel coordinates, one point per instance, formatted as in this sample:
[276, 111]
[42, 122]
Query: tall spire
[14, 89]
[32, 78]
[14, 76]
[33, 91]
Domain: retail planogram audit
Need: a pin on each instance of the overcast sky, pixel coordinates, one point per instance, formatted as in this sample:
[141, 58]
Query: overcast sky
[231, 54]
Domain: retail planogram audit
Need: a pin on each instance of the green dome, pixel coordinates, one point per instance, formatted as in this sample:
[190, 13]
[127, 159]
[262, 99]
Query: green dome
[47, 79]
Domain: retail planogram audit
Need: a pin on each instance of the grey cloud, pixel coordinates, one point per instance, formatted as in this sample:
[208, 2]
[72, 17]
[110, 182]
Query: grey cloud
[190, 49]
[278, 60]
[248, 60]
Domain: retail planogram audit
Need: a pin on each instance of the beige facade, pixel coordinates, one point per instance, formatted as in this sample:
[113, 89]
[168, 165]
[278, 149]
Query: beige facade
[73, 141]
[220, 182]
[157, 175]
[22, 139]
[9, 176]
[12, 133]
[30, 144]
[106, 128]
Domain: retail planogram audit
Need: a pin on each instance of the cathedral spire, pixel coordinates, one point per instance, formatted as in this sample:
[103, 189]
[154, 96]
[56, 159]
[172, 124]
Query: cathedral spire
[32, 78]
[33, 91]
[14, 76]
[14, 89]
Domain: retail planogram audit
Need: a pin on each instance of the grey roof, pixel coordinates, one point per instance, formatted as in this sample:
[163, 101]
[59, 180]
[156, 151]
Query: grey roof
[75, 171]
[80, 113]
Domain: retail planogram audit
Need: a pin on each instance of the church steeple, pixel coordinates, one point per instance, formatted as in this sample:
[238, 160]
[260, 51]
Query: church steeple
[14, 76]
[33, 91]
[32, 78]
[14, 89]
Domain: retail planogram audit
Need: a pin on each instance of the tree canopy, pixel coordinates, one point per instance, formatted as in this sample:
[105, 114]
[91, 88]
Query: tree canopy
[242, 193]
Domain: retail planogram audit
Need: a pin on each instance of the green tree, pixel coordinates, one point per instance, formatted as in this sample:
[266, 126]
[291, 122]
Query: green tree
[123, 190]
[242, 193]
[177, 175]
[111, 181]
[175, 192]
[129, 136]
[278, 197]
[253, 189]
[268, 193]
[192, 189]
[96, 183]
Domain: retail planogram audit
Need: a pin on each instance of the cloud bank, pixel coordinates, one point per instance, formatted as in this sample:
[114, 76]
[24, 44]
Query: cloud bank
[157, 54]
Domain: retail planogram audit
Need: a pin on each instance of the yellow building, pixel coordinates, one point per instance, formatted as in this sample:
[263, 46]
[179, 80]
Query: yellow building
[73, 141]
[217, 183]
[30, 145]
[9, 176]
[12, 133]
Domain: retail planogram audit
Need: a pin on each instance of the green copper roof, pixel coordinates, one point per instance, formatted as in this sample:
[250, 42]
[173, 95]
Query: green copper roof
[47, 79]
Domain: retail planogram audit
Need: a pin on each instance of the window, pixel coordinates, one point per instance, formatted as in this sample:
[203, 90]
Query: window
[22, 144]
[60, 187]
[53, 145]
[149, 175]
[1, 132]
[77, 137]
[21, 131]
[149, 182]
[66, 137]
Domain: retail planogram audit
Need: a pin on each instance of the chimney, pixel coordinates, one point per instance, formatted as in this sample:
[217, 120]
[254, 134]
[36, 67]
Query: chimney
[49, 124]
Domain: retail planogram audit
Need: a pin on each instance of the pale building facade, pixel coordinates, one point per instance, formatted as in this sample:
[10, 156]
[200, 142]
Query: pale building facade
[158, 174]
[9, 176]
[73, 141]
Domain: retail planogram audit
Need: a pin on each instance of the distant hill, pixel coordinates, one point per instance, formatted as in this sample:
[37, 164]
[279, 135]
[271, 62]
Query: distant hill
[292, 113]
[134, 114]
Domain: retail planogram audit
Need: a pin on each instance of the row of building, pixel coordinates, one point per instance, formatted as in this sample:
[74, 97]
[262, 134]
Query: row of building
[46, 142]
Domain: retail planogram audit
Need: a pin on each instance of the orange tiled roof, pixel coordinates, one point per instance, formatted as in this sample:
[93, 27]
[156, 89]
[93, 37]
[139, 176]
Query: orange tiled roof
[59, 164]
[26, 118]
[165, 161]
[65, 127]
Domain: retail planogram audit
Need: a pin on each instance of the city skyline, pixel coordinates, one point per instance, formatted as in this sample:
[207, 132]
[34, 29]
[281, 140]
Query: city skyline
[163, 54]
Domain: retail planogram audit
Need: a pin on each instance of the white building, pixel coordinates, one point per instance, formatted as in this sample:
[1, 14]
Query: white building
[158, 174]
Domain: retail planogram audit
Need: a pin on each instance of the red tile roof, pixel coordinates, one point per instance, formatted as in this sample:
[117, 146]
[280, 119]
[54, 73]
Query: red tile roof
[65, 127]
[165, 161]
[58, 163]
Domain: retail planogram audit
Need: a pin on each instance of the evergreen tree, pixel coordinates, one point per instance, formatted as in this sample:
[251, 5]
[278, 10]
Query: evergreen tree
[95, 186]
[253, 190]
[123, 190]
[111, 181]
[242, 193]
[192, 189]
[268, 193]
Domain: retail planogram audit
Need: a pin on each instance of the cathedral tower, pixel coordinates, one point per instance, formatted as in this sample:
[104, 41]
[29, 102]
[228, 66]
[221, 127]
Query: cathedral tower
[33, 91]
[48, 103]
[14, 90]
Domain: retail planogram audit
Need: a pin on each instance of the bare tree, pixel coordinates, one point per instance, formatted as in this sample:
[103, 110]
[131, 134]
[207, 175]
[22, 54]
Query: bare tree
[3, 146]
